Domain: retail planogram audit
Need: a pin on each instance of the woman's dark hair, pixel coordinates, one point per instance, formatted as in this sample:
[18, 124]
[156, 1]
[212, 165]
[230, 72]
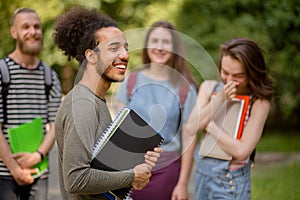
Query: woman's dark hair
[178, 61]
[251, 56]
[74, 32]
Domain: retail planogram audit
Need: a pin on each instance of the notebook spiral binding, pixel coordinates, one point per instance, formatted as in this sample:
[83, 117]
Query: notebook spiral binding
[128, 195]
[105, 137]
[108, 131]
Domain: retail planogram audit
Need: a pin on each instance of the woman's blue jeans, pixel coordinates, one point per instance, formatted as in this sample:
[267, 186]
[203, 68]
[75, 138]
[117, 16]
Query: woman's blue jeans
[214, 181]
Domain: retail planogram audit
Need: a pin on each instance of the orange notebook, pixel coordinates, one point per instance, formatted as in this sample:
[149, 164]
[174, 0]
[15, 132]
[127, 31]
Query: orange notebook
[231, 118]
[244, 116]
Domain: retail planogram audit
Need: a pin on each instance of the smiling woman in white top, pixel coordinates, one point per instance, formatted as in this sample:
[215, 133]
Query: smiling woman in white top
[243, 72]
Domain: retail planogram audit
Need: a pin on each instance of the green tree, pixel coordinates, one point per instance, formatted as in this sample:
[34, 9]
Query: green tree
[274, 25]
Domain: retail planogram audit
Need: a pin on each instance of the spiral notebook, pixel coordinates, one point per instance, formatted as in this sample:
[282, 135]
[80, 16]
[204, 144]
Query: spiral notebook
[231, 117]
[28, 137]
[123, 146]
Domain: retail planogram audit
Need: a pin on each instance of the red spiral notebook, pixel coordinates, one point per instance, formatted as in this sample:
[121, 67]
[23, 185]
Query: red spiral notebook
[231, 117]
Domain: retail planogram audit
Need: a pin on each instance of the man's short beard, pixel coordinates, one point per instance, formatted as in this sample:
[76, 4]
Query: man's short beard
[105, 77]
[103, 73]
[30, 49]
[102, 70]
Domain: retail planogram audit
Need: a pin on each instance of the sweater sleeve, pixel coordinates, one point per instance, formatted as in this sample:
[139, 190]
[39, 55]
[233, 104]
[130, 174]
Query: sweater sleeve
[81, 132]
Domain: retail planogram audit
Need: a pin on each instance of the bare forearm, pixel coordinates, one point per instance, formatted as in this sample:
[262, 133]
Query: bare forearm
[6, 154]
[187, 163]
[181, 189]
[241, 149]
[48, 141]
[204, 108]
[188, 147]
[237, 148]
[200, 117]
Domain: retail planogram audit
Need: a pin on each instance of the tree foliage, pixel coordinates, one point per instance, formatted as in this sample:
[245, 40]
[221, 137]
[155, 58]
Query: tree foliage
[273, 24]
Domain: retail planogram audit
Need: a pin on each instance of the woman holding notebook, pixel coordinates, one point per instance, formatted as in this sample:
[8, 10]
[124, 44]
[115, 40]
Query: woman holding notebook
[243, 72]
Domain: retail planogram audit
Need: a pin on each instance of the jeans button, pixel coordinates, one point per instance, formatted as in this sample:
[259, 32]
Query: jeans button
[228, 175]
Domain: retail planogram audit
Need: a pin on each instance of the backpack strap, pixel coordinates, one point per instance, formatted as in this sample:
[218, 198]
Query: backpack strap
[183, 91]
[5, 81]
[5, 77]
[48, 79]
[131, 83]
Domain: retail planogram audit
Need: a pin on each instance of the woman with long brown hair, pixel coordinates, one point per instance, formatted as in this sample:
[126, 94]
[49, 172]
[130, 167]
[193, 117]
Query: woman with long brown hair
[164, 93]
[243, 72]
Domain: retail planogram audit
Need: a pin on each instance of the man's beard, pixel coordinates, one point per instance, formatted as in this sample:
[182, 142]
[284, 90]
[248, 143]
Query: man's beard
[104, 73]
[105, 77]
[31, 49]
[102, 70]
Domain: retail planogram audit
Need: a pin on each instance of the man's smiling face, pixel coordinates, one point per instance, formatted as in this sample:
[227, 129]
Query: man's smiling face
[112, 54]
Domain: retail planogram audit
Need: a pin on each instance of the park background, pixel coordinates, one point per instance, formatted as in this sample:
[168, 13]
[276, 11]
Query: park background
[273, 24]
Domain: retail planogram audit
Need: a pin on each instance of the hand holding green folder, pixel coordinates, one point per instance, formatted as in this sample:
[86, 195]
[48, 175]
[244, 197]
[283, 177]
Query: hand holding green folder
[28, 137]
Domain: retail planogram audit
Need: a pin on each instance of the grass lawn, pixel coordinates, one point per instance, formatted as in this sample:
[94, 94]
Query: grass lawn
[279, 142]
[277, 181]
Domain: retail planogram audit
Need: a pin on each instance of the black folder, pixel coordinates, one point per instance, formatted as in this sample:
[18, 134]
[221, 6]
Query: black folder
[123, 145]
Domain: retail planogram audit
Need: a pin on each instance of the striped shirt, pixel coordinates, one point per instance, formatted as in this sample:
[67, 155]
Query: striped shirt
[27, 99]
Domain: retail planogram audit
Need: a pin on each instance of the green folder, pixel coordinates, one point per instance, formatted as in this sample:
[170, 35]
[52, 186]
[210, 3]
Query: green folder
[28, 137]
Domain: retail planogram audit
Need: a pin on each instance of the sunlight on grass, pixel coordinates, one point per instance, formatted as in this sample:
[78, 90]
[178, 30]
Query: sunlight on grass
[276, 182]
[279, 142]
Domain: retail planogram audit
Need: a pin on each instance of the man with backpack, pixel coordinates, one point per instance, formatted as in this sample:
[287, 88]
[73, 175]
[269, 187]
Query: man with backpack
[29, 90]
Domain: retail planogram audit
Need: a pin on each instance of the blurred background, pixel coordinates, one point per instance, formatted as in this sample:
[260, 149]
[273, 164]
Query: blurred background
[273, 24]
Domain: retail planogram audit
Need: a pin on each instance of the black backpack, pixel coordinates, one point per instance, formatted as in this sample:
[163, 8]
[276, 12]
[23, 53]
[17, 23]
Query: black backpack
[5, 78]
